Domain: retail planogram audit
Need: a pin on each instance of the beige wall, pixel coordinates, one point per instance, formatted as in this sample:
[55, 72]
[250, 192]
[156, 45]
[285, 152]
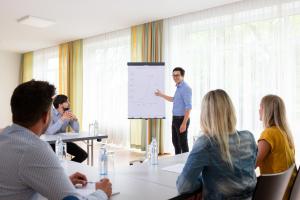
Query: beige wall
[9, 79]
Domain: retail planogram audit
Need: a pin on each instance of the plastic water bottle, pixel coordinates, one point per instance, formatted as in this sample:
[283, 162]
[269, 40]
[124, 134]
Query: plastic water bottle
[154, 152]
[103, 168]
[59, 149]
[96, 128]
[91, 129]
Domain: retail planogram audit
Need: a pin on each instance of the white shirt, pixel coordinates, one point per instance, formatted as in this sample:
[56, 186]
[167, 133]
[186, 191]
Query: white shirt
[29, 166]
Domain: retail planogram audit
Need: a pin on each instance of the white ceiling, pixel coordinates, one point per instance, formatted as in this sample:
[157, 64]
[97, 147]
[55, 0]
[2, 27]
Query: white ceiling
[77, 19]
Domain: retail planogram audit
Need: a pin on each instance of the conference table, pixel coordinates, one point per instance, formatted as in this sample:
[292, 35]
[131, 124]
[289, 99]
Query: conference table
[128, 186]
[164, 174]
[73, 137]
[140, 181]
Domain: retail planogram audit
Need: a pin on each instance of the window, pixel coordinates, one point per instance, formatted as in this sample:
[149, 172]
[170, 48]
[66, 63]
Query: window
[105, 84]
[246, 49]
[46, 65]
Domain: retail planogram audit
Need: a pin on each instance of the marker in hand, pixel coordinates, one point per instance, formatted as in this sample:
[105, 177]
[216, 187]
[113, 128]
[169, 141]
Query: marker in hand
[157, 92]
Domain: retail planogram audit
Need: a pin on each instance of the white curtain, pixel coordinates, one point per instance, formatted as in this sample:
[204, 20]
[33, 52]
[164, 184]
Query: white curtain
[105, 60]
[46, 65]
[250, 49]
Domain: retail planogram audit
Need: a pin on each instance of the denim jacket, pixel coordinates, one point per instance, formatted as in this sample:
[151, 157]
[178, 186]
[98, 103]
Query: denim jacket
[206, 169]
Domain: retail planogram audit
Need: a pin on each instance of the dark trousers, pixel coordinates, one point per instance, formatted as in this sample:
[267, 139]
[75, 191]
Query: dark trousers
[180, 141]
[73, 149]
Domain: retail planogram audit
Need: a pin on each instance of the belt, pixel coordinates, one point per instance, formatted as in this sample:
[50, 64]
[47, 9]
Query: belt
[178, 117]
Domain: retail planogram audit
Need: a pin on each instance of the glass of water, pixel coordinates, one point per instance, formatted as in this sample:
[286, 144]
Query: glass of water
[110, 163]
[65, 151]
[91, 128]
[64, 156]
[148, 156]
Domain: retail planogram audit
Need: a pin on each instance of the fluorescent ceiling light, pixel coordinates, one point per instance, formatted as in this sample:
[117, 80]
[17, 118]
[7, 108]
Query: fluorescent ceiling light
[36, 22]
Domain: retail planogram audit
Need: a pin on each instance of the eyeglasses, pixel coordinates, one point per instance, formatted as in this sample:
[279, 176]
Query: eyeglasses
[176, 75]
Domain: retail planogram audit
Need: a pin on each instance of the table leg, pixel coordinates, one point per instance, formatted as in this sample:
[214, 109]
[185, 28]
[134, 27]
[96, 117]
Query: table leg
[92, 153]
[88, 151]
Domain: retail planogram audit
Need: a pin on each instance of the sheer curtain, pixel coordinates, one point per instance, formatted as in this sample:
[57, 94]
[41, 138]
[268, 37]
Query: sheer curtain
[250, 49]
[105, 84]
[46, 65]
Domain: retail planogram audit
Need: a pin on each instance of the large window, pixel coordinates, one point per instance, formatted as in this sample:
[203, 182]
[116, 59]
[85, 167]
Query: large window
[105, 84]
[46, 65]
[250, 49]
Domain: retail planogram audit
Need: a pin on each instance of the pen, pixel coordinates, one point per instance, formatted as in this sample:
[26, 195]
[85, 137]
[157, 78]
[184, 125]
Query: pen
[92, 182]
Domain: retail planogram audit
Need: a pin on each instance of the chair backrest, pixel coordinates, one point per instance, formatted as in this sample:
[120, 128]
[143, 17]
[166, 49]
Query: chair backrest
[272, 186]
[295, 193]
[70, 198]
[196, 195]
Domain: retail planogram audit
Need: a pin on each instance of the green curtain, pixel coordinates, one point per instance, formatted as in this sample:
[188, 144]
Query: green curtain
[26, 72]
[146, 46]
[70, 74]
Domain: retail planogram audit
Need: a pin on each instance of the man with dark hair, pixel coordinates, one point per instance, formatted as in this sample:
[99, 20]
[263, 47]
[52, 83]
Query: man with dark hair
[28, 165]
[182, 106]
[62, 117]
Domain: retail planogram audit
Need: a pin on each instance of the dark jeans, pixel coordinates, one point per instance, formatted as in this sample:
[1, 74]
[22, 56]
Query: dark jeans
[73, 149]
[180, 141]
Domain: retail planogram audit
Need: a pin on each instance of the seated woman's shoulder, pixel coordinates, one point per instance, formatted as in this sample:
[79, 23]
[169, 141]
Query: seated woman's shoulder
[203, 140]
[271, 129]
[246, 133]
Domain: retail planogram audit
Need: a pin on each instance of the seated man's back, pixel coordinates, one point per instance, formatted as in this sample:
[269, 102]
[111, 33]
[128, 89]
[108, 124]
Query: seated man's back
[28, 165]
[24, 158]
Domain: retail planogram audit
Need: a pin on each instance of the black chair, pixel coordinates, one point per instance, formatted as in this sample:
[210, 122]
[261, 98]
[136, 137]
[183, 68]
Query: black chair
[197, 195]
[273, 186]
[70, 198]
[295, 193]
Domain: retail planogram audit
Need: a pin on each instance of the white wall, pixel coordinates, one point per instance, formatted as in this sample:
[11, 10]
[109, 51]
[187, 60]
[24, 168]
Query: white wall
[9, 79]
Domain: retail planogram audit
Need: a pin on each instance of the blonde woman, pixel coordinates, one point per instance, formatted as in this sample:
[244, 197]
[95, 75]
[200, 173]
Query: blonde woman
[276, 150]
[222, 161]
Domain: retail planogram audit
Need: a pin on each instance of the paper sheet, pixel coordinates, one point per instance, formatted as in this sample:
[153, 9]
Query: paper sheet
[177, 168]
[88, 189]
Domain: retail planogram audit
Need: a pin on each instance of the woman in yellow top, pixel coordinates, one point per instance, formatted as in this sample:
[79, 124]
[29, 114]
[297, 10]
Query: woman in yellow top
[276, 150]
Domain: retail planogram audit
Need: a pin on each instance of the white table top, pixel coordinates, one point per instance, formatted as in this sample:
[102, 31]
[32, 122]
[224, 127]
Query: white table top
[140, 181]
[71, 137]
[156, 174]
[130, 188]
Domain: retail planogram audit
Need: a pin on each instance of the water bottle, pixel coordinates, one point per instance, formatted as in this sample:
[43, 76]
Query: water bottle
[91, 129]
[96, 128]
[59, 148]
[103, 170]
[154, 152]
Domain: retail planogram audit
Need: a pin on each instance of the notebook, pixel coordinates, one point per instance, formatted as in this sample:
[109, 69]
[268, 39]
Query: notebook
[177, 168]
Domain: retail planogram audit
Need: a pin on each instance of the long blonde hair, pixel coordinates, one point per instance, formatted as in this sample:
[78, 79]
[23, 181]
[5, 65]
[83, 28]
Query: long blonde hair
[274, 114]
[218, 120]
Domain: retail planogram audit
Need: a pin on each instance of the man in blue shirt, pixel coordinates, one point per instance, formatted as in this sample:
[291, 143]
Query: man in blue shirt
[62, 117]
[182, 106]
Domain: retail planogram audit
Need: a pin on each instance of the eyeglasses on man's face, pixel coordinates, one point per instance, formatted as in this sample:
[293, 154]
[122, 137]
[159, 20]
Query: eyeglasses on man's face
[176, 75]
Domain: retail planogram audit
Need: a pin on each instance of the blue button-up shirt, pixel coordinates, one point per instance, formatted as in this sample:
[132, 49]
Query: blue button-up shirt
[182, 100]
[59, 126]
[205, 168]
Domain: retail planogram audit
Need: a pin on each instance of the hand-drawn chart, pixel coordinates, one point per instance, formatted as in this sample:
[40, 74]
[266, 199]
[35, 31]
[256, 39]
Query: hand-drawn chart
[143, 81]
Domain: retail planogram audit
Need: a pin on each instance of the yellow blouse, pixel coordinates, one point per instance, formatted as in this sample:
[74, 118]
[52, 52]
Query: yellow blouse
[281, 156]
